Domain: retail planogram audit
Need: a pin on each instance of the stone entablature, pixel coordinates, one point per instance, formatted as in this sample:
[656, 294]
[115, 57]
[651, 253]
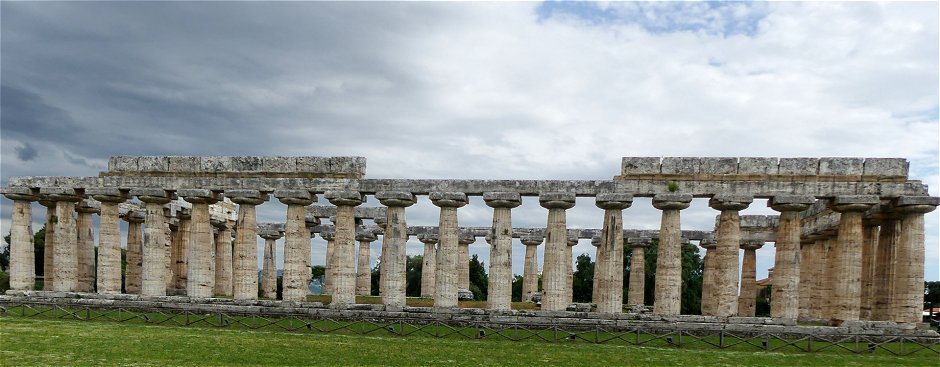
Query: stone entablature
[218, 166]
[833, 169]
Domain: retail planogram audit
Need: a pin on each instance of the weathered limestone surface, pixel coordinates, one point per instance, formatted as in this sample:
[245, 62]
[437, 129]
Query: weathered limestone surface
[364, 268]
[909, 273]
[726, 253]
[608, 270]
[134, 251]
[200, 274]
[269, 265]
[445, 295]
[709, 303]
[155, 247]
[569, 269]
[394, 241]
[847, 272]
[870, 244]
[554, 271]
[530, 269]
[223, 259]
[22, 253]
[669, 260]
[785, 300]
[243, 166]
[66, 236]
[183, 233]
[808, 262]
[885, 267]
[499, 294]
[344, 251]
[296, 274]
[48, 266]
[464, 240]
[747, 301]
[245, 256]
[109, 243]
[637, 290]
[330, 238]
[429, 264]
[86, 246]
[822, 288]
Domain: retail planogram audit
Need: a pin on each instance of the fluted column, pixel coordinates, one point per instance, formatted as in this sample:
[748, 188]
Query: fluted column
[295, 278]
[598, 256]
[569, 268]
[669, 256]
[86, 245]
[330, 237]
[807, 264]
[22, 251]
[709, 303]
[155, 249]
[135, 220]
[822, 289]
[223, 258]
[885, 265]
[364, 267]
[180, 264]
[48, 263]
[109, 240]
[726, 254]
[848, 256]
[200, 256]
[909, 270]
[245, 255]
[608, 271]
[554, 271]
[637, 291]
[530, 270]
[344, 251]
[66, 237]
[269, 264]
[870, 244]
[785, 299]
[394, 267]
[464, 239]
[170, 228]
[445, 295]
[429, 264]
[499, 292]
[747, 300]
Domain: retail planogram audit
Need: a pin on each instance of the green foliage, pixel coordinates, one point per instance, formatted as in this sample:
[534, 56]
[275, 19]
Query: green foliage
[763, 302]
[374, 280]
[4, 281]
[317, 271]
[582, 286]
[692, 267]
[413, 265]
[479, 281]
[932, 294]
[672, 186]
[517, 288]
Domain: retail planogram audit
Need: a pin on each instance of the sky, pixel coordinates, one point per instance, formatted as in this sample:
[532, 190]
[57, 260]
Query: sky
[471, 90]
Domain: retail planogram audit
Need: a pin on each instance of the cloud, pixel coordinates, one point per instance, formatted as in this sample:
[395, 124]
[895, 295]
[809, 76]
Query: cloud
[26, 152]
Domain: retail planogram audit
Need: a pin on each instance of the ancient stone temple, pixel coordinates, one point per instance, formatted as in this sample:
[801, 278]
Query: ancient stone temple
[850, 231]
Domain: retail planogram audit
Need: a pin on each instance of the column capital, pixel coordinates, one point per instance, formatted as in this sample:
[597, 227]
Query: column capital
[751, 244]
[613, 200]
[573, 241]
[395, 198]
[380, 221]
[153, 195]
[790, 203]
[448, 199]
[19, 193]
[328, 235]
[916, 204]
[531, 240]
[343, 197]
[489, 238]
[134, 216]
[671, 201]
[365, 237]
[246, 197]
[596, 241]
[184, 213]
[295, 197]
[502, 199]
[736, 202]
[107, 194]
[428, 238]
[556, 200]
[88, 206]
[642, 242]
[199, 196]
[466, 238]
[271, 235]
[61, 194]
[853, 203]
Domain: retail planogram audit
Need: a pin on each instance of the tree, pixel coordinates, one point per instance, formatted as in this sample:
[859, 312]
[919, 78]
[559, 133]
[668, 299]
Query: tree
[582, 286]
[374, 280]
[931, 294]
[413, 265]
[517, 288]
[691, 293]
[479, 281]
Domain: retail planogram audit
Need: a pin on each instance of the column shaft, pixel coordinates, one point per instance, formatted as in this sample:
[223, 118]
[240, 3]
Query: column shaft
[884, 277]
[909, 271]
[807, 264]
[870, 241]
[223, 261]
[22, 253]
[747, 301]
[847, 270]
[66, 256]
[709, 302]
[608, 272]
[245, 266]
[181, 269]
[668, 265]
[297, 237]
[364, 270]
[134, 250]
[637, 290]
[394, 264]
[344, 254]
[429, 271]
[109, 249]
[200, 275]
[785, 299]
[269, 269]
[48, 263]
[445, 295]
[463, 266]
[499, 292]
[153, 257]
[726, 263]
[530, 273]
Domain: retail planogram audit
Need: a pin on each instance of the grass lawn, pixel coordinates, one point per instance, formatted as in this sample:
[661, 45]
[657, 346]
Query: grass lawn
[36, 341]
[420, 302]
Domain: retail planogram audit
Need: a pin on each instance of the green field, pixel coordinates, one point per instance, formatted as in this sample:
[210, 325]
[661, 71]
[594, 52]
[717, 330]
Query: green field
[38, 341]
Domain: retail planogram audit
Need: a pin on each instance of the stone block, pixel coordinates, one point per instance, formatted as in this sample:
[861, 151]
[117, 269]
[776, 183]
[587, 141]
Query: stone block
[122, 164]
[317, 165]
[352, 165]
[153, 164]
[837, 166]
[215, 164]
[180, 164]
[200, 193]
[886, 167]
[856, 199]
[279, 164]
[798, 166]
[718, 166]
[640, 166]
[246, 164]
[917, 200]
[757, 166]
[681, 165]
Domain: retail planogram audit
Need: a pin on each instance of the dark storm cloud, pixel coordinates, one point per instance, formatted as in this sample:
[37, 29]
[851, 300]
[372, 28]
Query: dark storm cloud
[26, 152]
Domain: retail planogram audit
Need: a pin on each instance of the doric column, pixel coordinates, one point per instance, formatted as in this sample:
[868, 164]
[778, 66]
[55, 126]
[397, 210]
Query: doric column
[269, 264]
[807, 264]
[22, 252]
[726, 254]
[429, 264]
[223, 257]
[170, 227]
[785, 299]
[885, 265]
[329, 236]
[344, 251]
[870, 245]
[669, 256]
[596, 242]
[183, 231]
[709, 303]
[747, 300]
[637, 290]
[499, 292]
[608, 270]
[135, 220]
[86, 245]
[530, 270]
[445, 295]
[822, 289]
[847, 270]
[364, 268]
[245, 256]
[48, 263]
[109, 239]
[200, 256]
[569, 268]
[554, 270]
[295, 279]
[154, 255]
[66, 236]
[464, 239]
[909, 271]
